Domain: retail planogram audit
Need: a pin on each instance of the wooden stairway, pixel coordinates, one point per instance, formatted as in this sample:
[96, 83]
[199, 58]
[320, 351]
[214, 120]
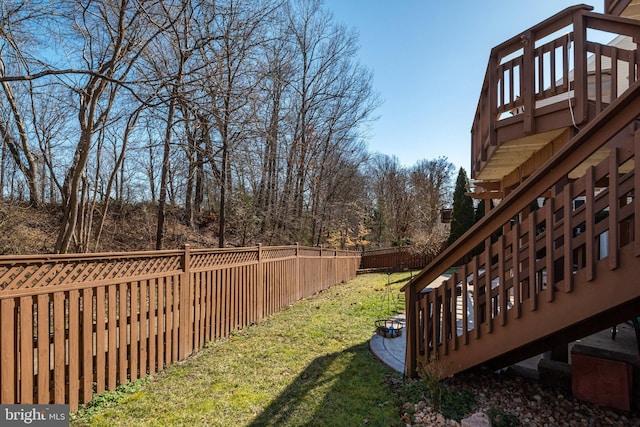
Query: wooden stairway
[556, 260]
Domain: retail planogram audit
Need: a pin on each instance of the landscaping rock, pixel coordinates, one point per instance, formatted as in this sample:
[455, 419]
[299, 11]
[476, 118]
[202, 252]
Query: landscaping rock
[527, 401]
[479, 419]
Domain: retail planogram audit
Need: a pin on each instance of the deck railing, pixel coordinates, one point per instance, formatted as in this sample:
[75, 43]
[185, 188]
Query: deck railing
[72, 325]
[555, 66]
[550, 239]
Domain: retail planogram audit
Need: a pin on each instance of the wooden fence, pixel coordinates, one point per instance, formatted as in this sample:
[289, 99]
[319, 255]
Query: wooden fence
[72, 325]
[391, 258]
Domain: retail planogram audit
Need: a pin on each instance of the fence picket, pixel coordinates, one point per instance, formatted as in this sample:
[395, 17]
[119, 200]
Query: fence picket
[209, 300]
[153, 325]
[112, 338]
[87, 345]
[100, 337]
[196, 311]
[26, 349]
[162, 315]
[74, 350]
[43, 349]
[218, 303]
[133, 331]
[7, 352]
[58, 348]
[233, 285]
[173, 320]
[122, 333]
[144, 333]
[202, 302]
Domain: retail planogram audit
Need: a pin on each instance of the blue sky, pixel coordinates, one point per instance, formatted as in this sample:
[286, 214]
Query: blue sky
[429, 58]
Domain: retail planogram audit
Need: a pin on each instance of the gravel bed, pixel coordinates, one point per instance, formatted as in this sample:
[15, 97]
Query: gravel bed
[531, 403]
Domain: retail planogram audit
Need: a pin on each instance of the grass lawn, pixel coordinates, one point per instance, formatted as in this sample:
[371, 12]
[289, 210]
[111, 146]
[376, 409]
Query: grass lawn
[308, 365]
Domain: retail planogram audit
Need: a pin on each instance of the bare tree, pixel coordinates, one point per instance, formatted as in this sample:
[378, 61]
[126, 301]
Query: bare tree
[49, 120]
[251, 110]
[231, 83]
[16, 19]
[340, 151]
[331, 100]
[113, 36]
[276, 75]
[119, 156]
[19, 145]
[408, 200]
[393, 198]
[431, 184]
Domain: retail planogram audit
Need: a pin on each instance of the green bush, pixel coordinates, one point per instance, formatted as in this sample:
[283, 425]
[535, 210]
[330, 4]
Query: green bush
[456, 405]
[412, 391]
[451, 404]
[110, 398]
[500, 418]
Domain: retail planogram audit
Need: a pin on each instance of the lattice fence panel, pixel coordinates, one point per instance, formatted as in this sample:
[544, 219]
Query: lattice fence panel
[202, 261]
[278, 253]
[38, 273]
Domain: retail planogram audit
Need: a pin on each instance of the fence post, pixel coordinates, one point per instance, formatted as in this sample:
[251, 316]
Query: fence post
[298, 282]
[336, 273]
[260, 295]
[185, 305]
[319, 266]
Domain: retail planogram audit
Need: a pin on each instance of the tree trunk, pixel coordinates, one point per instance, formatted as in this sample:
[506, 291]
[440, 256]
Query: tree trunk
[118, 167]
[222, 221]
[71, 187]
[164, 178]
[198, 197]
[30, 169]
[188, 194]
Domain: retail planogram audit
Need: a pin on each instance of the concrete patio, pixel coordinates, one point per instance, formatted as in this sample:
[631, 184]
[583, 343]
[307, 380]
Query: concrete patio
[391, 351]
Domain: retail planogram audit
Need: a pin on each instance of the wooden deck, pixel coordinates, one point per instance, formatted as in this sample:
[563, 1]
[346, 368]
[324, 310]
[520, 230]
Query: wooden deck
[541, 87]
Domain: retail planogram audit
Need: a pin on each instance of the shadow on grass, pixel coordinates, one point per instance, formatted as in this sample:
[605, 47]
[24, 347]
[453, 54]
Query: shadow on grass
[403, 279]
[345, 388]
